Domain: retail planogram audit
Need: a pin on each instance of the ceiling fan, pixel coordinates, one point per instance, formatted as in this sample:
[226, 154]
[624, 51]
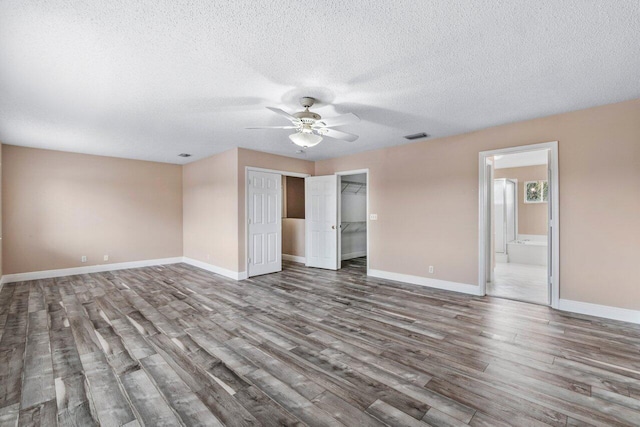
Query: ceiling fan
[311, 127]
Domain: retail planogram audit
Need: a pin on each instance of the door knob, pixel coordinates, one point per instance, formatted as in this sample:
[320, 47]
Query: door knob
[333, 227]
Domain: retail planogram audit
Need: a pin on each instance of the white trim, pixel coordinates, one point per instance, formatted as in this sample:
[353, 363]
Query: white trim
[605, 311]
[426, 281]
[368, 196]
[285, 173]
[246, 208]
[554, 222]
[353, 255]
[47, 274]
[235, 275]
[294, 258]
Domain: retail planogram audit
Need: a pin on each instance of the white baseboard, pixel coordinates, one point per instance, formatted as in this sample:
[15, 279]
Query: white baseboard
[235, 275]
[426, 281]
[608, 312]
[47, 274]
[294, 258]
[354, 255]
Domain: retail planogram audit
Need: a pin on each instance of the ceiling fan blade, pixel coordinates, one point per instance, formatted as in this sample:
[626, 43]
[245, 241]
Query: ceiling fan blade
[273, 127]
[345, 119]
[284, 114]
[337, 134]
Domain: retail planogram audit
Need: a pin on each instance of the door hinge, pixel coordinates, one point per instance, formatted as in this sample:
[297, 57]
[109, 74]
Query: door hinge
[249, 221]
[249, 260]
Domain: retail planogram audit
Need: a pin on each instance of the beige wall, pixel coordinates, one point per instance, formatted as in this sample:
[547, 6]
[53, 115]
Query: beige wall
[1, 210]
[210, 195]
[267, 161]
[294, 197]
[293, 236]
[426, 198]
[214, 204]
[60, 206]
[532, 217]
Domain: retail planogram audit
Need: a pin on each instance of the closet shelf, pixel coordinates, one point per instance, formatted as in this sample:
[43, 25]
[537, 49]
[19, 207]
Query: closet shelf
[353, 226]
[353, 187]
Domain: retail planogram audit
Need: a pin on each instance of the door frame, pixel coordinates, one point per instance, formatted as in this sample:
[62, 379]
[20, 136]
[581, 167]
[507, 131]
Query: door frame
[353, 172]
[246, 205]
[554, 222]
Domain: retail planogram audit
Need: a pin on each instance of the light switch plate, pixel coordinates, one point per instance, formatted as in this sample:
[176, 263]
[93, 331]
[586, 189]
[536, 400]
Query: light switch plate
[373, 217]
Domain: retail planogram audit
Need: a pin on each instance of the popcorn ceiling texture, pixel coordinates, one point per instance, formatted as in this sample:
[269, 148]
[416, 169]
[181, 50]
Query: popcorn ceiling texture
[152, 79]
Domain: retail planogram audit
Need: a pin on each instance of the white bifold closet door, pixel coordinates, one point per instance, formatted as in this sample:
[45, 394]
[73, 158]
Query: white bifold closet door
[265, 222]
[321, 221]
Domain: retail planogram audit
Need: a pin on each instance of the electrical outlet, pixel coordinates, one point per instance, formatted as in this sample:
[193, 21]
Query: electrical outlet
[106, 257]
[431, 269]
[83, 259]
[373, 217]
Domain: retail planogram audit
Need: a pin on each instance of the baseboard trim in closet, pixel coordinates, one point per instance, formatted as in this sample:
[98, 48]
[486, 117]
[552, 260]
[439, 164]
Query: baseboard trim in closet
[354, 255]
[294, 258]
[426, 281]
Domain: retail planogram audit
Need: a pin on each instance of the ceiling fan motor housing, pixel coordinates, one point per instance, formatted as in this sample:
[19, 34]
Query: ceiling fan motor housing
[307, 116]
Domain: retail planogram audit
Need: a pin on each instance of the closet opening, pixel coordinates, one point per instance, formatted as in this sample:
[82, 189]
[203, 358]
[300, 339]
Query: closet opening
[353, 236]
[293, 219]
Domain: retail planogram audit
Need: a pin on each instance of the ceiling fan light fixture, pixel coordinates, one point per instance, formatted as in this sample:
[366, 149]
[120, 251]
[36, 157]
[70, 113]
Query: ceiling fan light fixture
[305, 139]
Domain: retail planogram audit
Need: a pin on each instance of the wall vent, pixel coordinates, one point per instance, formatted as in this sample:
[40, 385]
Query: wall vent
[184, 155]
[416, 136]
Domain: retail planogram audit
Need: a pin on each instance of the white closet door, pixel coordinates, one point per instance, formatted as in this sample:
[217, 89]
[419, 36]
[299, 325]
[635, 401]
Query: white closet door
[321, 221]
[265, 223]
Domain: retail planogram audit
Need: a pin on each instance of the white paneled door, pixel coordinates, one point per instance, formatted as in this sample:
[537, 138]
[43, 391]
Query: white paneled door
[321, 221]
[265, 222]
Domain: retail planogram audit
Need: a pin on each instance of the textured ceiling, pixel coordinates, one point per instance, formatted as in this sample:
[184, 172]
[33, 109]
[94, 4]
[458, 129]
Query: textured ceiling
[152, 79]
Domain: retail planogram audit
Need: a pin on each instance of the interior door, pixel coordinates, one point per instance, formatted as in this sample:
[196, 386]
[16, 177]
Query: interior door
[321, 215]
[265, 222]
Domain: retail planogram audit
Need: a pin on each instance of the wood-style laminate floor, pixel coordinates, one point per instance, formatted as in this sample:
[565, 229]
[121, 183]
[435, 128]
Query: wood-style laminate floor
[176, 345]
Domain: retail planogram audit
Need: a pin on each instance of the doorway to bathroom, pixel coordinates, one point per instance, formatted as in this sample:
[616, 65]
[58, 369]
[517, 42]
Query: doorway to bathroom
[518, 223]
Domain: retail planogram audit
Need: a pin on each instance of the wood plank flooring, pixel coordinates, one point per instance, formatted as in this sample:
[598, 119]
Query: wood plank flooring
[176, 345]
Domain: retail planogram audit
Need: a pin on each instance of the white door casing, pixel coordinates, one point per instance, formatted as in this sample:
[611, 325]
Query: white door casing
[321, 225]
[264, 222]
[550, 222]
[554, 215]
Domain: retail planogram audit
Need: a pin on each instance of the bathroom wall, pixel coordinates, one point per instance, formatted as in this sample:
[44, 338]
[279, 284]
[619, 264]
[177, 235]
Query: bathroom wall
[532, 217]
